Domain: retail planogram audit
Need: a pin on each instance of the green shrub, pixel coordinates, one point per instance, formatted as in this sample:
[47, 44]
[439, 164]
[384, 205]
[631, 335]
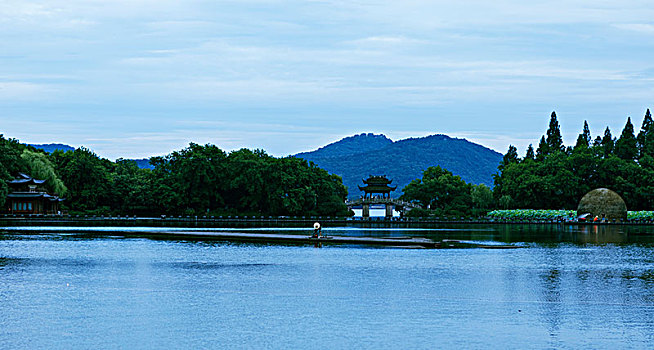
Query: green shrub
[532, 214]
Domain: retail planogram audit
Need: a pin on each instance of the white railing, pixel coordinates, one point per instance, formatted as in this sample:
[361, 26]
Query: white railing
[381, 200]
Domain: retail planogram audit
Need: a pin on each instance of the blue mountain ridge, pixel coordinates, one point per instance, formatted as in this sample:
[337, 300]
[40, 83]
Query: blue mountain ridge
[356, 157]
[51, 147]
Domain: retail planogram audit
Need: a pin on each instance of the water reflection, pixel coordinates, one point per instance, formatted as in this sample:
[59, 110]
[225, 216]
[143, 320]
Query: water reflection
[512, 233]
[549, 233]
[573, 287]
[596, 288]
[507, 233]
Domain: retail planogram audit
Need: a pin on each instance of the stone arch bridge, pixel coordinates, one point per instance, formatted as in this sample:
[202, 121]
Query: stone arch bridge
[389, 203]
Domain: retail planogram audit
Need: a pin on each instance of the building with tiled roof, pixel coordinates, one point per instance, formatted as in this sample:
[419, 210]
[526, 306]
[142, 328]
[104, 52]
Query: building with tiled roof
[28, 195]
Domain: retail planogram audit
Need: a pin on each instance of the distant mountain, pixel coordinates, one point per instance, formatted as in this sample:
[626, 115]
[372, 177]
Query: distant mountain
[143, 163]
[51, 147]
[356, 157]
[350, 145]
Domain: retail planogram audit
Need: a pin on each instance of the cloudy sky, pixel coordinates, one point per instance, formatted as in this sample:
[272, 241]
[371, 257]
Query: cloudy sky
[134, 78]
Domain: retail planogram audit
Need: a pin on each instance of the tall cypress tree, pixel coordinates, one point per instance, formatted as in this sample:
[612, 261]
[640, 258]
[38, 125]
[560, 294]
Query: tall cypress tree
[554, 139]
[542, 150]
[608, 143]
[626, 147]
[530, 153]
[511, 156]
[584, 139]
[645, 137]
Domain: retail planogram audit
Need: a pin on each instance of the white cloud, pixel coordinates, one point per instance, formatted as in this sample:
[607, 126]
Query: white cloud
[637, 27]
[131, 61]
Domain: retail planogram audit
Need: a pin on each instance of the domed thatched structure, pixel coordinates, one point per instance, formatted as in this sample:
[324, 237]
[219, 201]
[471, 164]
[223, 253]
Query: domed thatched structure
[603, 202]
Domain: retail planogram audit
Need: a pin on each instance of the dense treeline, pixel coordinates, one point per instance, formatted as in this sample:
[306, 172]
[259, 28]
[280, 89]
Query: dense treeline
[552, 176]
[16, 157]
[556, 177]
[439, 192]
[198, 180]
[205, 180]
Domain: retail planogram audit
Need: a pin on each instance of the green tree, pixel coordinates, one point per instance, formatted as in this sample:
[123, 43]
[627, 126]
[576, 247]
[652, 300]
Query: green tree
[530, 153]
[440, 191]
[190, 181]
[584, 139]
[130, 189]
[11, 164]
[202, 179]
[87, 178]
[539, 185]
[482, 196]
[40, 167]
[506, 202]
[554, 139]
[542, 150]
[626, 146]
[608, 143]
[645, 137]
[511, 156]
[302, 188]
[560, 179]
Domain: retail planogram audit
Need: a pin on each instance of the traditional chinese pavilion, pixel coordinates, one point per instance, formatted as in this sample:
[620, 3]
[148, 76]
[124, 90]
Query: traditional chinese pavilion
[378, 184]
[27, 195]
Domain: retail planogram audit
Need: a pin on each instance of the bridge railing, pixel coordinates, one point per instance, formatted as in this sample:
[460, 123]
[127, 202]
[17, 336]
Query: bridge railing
[380, 200]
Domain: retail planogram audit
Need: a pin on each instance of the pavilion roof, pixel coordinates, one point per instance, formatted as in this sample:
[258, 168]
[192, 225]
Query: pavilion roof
[31, 195]
[377, 188]
[377, 180]
[25, 179]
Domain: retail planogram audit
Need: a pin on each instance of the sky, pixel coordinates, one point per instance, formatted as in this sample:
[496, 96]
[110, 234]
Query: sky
[137, 78]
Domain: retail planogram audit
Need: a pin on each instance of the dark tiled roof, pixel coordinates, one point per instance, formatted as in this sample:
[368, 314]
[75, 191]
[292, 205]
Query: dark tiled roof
[27, 195]
[27, 181]
[33, 195]
[377, 180]
[377, 188]
[24, 179]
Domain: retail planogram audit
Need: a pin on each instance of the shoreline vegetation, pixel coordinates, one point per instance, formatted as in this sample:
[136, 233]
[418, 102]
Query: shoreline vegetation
[558, 176]
[545, 214]
[205, 181]
[198, 180]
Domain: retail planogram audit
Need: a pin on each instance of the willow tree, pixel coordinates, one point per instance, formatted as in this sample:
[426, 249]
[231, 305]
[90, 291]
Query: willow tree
[40, 167]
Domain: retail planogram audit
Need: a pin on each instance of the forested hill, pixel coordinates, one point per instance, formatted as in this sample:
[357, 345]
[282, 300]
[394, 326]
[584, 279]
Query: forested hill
[355, 157]
[51, 147]
[348, 146]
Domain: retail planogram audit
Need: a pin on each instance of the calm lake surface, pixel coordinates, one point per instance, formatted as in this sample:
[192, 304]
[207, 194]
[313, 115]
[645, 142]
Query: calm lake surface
[570, 287]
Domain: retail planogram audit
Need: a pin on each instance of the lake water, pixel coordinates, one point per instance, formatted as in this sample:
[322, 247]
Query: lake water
[569, 287]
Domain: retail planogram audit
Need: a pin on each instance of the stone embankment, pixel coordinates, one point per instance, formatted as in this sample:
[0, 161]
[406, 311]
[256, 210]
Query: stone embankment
[275, 221]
